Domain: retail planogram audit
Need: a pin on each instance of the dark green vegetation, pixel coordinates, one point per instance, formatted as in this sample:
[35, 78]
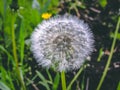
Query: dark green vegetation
[18, 68]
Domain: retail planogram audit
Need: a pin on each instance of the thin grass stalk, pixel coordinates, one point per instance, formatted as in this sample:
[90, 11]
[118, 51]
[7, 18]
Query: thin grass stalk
[76, 76]
[110, 56]
[17, 69]
[63, 79]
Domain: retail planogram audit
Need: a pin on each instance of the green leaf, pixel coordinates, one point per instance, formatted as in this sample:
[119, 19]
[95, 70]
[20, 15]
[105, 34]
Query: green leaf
[100, 54]
[1, 22]
[41, 76]
[6, 78]
[44, 81]
[112, 35]
[83, 83]
[21, 39]
[54, 3]
[103, 3]
[31, 81]
[44, 5]
[44, 84]
[56, 81]
[4, 86]
[80, 4]
[49, 75]
[4, 50]
[118, 87]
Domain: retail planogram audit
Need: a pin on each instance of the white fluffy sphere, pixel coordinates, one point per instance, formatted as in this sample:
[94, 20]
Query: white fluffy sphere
[62, 43]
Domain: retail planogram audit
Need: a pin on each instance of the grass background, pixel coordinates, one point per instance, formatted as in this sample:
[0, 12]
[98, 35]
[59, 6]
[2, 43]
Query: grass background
[18, 68]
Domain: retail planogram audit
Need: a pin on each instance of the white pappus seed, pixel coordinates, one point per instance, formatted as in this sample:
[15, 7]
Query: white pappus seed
[62, 42]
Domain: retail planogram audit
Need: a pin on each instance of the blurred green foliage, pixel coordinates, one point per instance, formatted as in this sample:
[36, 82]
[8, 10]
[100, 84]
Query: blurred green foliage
[26, 17]
[22, 16]
[103, 3]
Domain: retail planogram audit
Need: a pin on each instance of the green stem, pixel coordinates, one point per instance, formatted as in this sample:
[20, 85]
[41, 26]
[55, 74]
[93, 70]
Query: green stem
[110, 56]
[63, 80]
[76, 76]
[17, 69]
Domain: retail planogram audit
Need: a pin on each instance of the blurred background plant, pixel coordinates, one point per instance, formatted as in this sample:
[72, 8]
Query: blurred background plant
[18, 68]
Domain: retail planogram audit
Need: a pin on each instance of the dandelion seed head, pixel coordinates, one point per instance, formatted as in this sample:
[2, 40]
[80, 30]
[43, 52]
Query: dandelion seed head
[62, 42]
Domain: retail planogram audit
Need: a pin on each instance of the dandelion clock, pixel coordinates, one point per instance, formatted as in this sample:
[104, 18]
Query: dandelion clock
[62, 43]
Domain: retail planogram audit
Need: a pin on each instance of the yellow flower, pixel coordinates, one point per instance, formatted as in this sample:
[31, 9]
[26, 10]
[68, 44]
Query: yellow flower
[46, 15]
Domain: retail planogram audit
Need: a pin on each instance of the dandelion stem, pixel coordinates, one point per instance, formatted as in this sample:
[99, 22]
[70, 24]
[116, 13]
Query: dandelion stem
[76, 76]
[17, 69]
[63, 80]
[110, 56]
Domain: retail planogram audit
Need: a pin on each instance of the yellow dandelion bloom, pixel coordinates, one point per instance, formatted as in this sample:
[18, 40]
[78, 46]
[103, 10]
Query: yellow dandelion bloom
[46, 15]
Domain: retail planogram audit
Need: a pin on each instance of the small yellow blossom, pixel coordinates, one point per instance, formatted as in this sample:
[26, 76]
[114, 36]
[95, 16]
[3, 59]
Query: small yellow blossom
[46, 15]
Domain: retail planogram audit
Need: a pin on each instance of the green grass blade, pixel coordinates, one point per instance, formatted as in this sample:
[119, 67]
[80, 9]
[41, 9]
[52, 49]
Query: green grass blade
[21, 40]
[44, 81]
[49, 75]
[118, 87]
[31, 81]
[56, 82]
[6, 78]
[110, 56]
[4, 50]
[100, 54]
[41, 76]
[76, 76]
[4, 86]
